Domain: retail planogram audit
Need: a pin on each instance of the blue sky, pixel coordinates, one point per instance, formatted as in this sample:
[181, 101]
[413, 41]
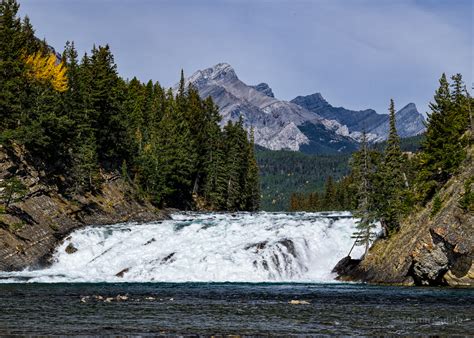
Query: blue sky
[357, 53]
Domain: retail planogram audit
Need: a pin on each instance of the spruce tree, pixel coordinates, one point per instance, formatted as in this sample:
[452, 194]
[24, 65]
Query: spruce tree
[105, 99]
[330, 202]
[12, 82]
[232, 151]
[214, 162]
[12, 190]
[252, 182]
[393, 181]
[176, 159]
[363, 171]
[443, 147]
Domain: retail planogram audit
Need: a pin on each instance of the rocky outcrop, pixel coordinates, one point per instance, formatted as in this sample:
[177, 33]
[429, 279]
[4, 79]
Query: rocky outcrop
[264, 88]
[431, 248]
[32, 227]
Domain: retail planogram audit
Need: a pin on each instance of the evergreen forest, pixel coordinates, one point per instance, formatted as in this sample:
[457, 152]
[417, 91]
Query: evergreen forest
[78, 118]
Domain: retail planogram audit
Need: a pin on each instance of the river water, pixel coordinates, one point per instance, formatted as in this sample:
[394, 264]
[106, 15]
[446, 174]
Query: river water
[247, 274]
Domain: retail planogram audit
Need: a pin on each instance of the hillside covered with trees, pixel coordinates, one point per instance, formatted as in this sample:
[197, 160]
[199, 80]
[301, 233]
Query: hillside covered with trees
[77, 118]
[283, 173]
[391, 184]
[424, 201]
[332, 186]
[389, 180]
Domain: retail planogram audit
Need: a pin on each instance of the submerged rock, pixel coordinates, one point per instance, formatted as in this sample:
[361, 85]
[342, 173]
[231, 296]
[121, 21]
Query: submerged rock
[150, 241]
[122, 272]
[298, 302]
[120, 298]
[168, 259]
[347, 267]
[70, 249]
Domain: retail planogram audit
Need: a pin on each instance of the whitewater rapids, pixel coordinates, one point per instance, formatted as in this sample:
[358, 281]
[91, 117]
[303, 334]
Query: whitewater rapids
[211, 247]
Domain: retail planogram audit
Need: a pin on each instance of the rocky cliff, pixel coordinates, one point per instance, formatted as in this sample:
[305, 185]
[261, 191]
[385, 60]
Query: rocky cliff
[31, 227]
[432, 248]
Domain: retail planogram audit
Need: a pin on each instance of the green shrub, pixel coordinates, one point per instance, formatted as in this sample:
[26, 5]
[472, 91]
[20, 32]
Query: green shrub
[15, 226]
[436, 206]
[467, 200]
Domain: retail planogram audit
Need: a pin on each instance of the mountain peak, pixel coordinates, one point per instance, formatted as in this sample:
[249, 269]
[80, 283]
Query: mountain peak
[264, 88]
[219, 72]
[312, 102]
[411, 107]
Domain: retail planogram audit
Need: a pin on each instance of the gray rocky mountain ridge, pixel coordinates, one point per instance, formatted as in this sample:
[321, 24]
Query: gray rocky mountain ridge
[309, 124]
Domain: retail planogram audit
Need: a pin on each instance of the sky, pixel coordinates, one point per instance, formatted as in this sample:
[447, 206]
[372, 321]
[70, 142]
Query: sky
[357, 53]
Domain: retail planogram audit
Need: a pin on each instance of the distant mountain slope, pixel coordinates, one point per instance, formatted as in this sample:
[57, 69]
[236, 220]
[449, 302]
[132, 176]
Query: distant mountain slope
[409, 121]
[307, 123]
[285, 172]
[277, 124]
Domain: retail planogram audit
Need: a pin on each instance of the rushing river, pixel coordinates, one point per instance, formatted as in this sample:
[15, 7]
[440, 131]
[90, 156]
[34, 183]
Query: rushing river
[216, 274]
[215, 247]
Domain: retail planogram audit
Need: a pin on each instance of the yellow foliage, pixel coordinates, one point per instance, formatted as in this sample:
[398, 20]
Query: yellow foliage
[43, 68]
[147, 148]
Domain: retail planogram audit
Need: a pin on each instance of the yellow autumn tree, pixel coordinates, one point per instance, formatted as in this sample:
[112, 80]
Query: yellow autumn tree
[45, 69]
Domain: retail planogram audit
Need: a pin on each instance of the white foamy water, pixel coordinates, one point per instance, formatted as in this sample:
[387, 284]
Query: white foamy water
[213, 247]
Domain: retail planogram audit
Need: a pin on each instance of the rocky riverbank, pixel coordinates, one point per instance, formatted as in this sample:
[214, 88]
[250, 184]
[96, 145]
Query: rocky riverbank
[431, 248]
[31, 228]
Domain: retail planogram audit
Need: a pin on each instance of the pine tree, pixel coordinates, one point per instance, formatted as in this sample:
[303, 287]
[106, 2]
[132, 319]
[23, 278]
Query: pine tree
[11, 69]
[460, 115]
[393, 184]
[252, 182]
[214, 162]
[105, 99]
[85, 168]
[330, 202]
[443, 147]
[176, 159]
[365, 232]
[232, 151]
[11, 190]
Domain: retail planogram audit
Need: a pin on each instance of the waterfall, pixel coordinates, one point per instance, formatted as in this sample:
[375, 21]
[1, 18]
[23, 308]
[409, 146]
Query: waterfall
[211, 247]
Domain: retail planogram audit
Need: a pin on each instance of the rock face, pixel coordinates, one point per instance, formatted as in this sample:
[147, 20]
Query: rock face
[429, 249]
[408, 120]
[277, 124]
[264, 88]
[32, 227]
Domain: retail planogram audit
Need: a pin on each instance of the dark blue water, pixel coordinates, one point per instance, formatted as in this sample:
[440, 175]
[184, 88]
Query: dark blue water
[244, 309]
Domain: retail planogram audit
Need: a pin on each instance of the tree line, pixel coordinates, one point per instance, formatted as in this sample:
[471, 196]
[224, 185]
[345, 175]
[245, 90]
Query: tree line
[79, 117]
[336, 195]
